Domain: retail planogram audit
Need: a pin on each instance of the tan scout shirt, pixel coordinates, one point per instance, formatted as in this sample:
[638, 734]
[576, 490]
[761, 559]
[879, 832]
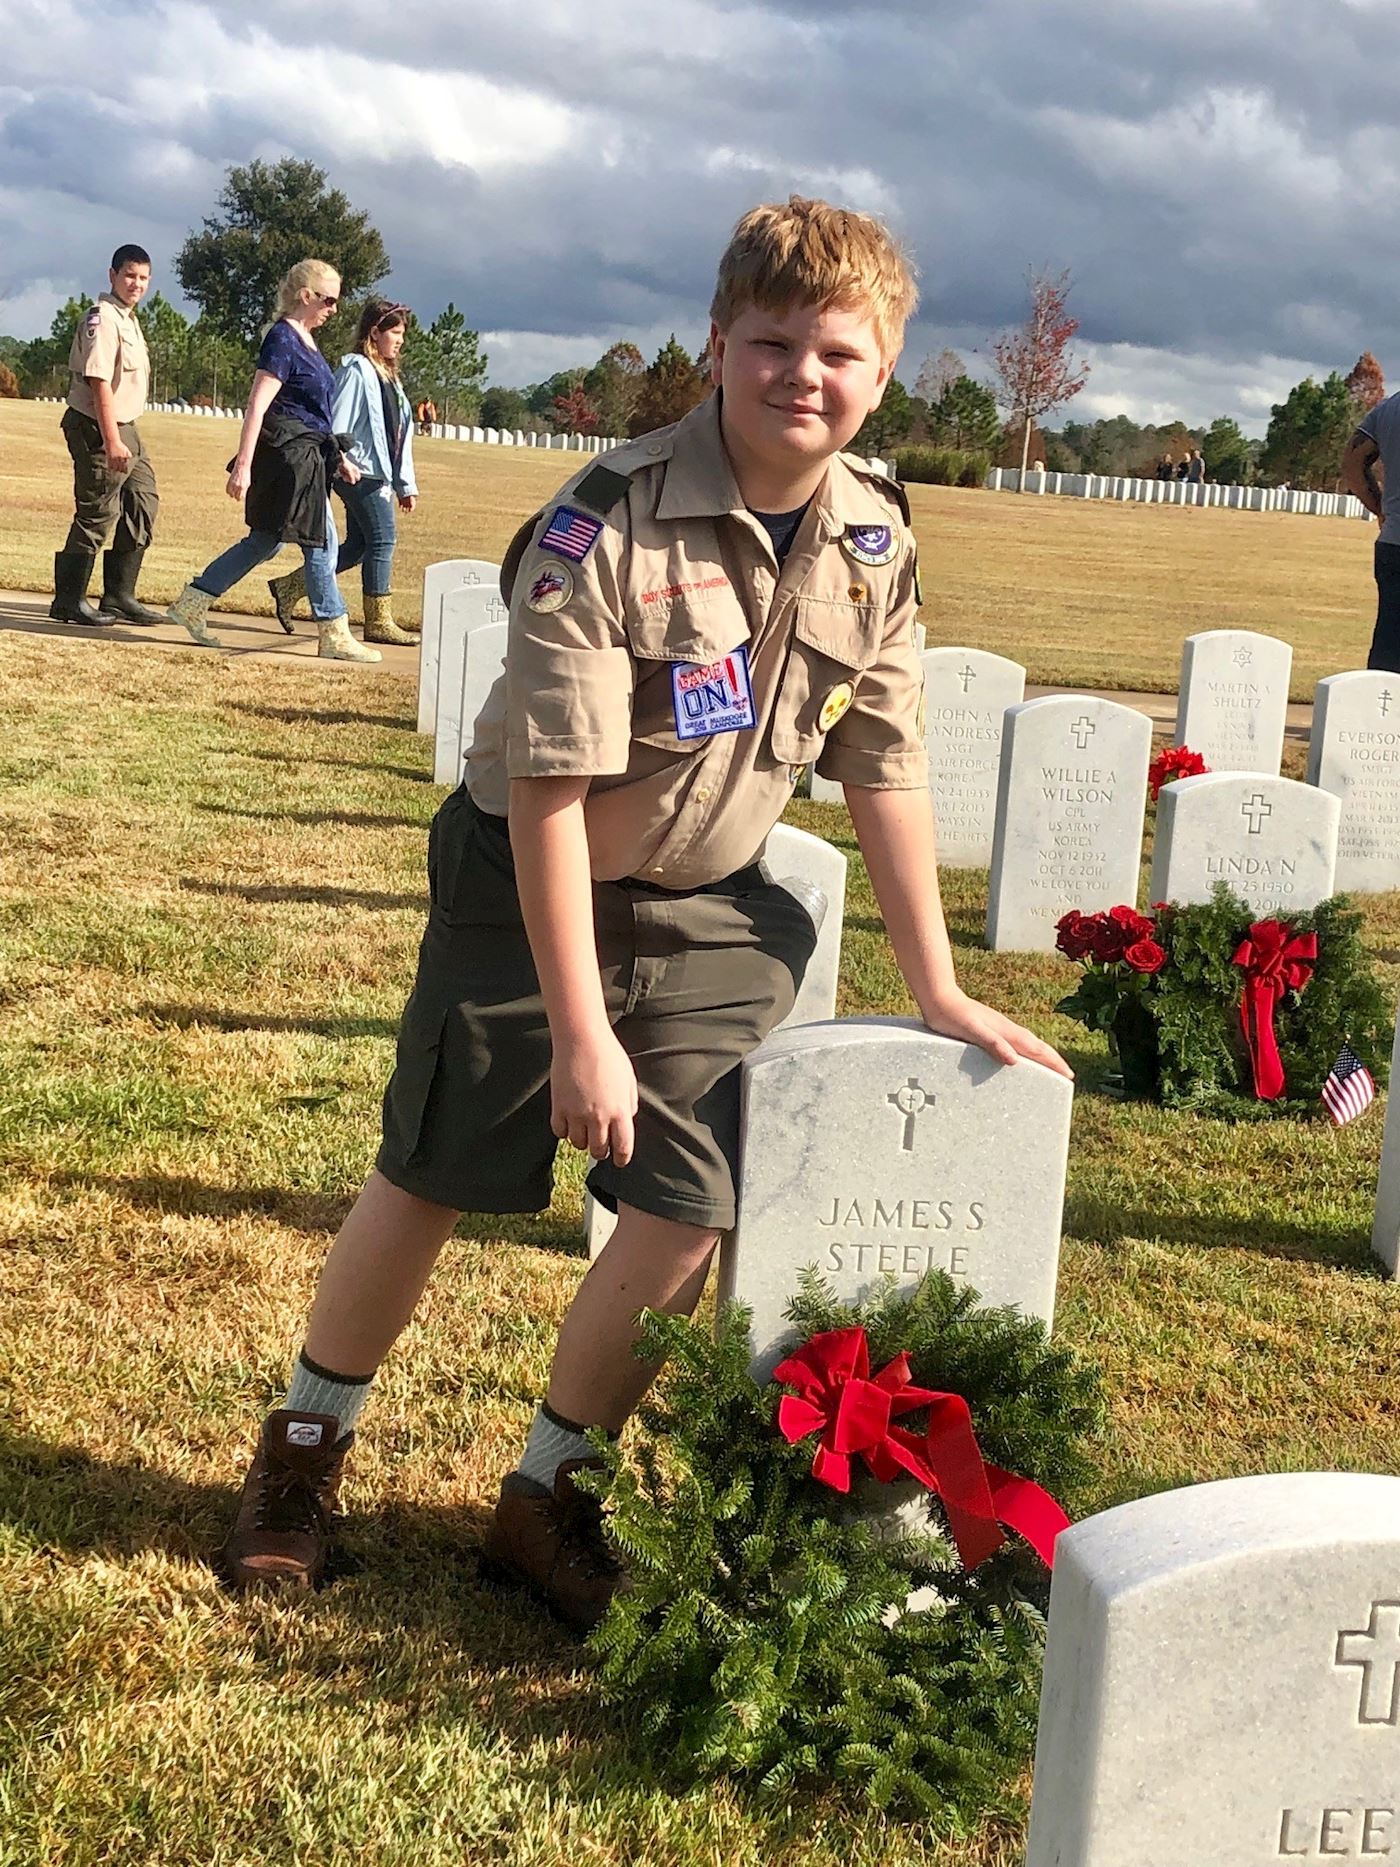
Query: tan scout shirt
[679, 576]
[110, 346]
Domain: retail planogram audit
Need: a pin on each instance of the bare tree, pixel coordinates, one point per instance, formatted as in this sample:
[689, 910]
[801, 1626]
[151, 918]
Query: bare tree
[1033, 364]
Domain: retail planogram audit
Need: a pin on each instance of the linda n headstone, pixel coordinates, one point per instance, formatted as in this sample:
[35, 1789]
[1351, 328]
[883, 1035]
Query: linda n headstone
[438, 580]
[1071, 794]
[871, 1148]
[1355, 754]
[465, 611]
[1274, 841]
[1233, 704]
[1222, 1679]
[966, 694]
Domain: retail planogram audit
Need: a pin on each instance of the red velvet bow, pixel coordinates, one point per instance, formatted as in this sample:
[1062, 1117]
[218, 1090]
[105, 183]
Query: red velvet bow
[853, 1414]
[1273, 964]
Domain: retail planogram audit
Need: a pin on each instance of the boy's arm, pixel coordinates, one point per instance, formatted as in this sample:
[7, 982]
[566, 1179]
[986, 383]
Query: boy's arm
[896, 836]
[593, 1087]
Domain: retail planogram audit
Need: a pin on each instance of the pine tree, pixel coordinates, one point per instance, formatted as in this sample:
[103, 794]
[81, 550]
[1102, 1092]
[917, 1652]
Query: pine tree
[672, 386]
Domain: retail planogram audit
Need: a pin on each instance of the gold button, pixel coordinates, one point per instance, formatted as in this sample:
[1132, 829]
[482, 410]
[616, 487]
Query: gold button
[658, 871]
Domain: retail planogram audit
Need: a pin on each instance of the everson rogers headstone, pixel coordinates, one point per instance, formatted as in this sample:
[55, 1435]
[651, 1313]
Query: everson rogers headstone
[966, 694]
[438, 579]
[1355, 754]
[1274, 841]
[1233, 704]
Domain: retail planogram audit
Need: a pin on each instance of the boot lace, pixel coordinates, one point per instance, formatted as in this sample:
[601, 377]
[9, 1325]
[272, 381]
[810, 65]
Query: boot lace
[290, 1503]
[586, 1548]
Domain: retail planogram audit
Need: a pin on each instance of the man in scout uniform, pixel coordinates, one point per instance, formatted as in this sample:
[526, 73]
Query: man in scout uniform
[113, 482]
[692, 622]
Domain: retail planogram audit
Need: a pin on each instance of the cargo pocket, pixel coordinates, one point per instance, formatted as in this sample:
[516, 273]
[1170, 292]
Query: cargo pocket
[410, 1089]
[832, 643]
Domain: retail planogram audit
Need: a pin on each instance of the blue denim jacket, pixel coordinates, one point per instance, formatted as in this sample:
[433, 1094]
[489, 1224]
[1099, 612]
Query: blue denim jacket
[359, 411]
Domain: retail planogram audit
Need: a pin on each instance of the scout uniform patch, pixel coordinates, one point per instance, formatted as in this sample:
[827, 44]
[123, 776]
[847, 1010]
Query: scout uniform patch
[835, 705]
[551, 589]
[870, 544]
[713, 699]
[571, 533]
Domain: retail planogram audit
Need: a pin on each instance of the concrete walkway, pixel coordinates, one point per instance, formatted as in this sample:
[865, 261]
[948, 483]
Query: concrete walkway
[261, 639]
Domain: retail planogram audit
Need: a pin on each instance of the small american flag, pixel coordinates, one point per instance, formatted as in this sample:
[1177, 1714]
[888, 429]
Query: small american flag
[571, 534]
[1348, 1091]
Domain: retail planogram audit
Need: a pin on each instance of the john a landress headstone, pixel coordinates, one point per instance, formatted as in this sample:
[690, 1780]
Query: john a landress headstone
[1233, 704]
[483, 663]
[966, 694]
[789, 854]
[1385, 1231]
[438, 580]
[1222, 1679]
[1273, 841]
[464, 611]
[871, 1148]
[1355, 754]
[1071, 795]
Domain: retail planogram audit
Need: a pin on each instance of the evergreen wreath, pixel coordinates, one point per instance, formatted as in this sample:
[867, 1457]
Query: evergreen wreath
[764, 1638]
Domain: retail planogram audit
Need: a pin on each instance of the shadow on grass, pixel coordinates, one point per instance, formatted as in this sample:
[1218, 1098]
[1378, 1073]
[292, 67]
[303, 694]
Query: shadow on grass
[350, 819]
[413, 774]
[216, 1018]
[323, 716]
[274, 892]
[1101, 1219]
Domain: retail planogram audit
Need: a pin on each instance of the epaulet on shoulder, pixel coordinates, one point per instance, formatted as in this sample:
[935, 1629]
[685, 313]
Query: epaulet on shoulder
[886, 482]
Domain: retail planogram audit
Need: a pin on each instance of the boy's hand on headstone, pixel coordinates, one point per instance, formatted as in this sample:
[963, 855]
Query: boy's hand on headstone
[593, 1097]
[1001, 1037]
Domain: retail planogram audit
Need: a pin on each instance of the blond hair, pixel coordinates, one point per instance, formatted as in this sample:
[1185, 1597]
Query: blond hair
[307, 275]
[800, 252]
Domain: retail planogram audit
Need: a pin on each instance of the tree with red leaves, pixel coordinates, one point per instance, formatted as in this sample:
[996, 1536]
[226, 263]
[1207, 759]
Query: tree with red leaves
[1034, 364]
[1365, 383]
[574, 413]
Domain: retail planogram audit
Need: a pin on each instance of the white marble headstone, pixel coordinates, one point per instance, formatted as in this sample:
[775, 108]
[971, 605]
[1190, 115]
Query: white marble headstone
[1233, 704]
[1385, 1229]
[869, 1147]
[1071, 794]
[438, 579]
[1355, 754]
[1274, 841]
[464, 612]
[483, 663]
[966, 694]
[1222, 1679]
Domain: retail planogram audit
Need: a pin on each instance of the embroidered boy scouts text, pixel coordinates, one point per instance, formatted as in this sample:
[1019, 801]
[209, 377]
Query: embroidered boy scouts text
[684, 589]
[713, 699]
[571, 533]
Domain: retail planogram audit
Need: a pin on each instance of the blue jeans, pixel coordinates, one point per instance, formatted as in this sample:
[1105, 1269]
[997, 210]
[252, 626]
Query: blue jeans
[257, 547]
[370, 534]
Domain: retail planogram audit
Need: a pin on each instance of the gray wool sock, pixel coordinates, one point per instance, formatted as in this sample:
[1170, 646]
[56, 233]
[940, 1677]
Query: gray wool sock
[553, 1442]
[319, 1390]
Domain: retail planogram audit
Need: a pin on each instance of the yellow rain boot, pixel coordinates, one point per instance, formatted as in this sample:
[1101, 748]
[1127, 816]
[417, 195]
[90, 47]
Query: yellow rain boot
[287, 592]
[191, 610]
[337, 643]
[380, 625]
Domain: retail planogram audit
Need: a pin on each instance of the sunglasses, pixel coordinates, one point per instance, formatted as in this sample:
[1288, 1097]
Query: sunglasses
[391, 317]
[328, 302]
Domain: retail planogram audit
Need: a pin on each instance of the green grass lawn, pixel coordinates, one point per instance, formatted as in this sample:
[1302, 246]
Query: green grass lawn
[211, 884]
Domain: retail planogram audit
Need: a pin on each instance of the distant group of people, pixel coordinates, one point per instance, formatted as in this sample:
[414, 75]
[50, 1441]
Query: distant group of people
[1191, 467]
[307, 431]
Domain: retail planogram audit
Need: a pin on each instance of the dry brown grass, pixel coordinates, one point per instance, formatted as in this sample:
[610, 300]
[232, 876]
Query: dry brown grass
[1085, 593]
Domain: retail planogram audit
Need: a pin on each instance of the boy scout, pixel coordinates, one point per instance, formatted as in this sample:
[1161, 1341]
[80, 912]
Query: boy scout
[692, 622]
[113, 482]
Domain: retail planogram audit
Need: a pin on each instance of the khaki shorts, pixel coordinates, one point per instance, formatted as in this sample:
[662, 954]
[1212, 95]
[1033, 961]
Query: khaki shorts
[692, 982]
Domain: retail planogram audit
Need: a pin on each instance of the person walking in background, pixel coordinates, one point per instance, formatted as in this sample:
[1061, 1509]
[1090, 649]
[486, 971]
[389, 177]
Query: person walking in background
[372, 412]
[1377, 439]
[287, 456]
[1165, 469]
[114, 484]
[427, 416]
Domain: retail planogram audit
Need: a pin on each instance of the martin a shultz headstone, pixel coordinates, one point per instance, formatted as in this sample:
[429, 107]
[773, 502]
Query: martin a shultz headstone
[1222, 1679]
[438, 580]
[1355, 754]
[871, 1148]
[1071, 795]
[1273, 841]
[966, 694]
[1233, 704]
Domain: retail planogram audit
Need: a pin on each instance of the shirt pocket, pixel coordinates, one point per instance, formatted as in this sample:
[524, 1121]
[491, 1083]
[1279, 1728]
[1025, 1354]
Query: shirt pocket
[832, 643]
[683, 636]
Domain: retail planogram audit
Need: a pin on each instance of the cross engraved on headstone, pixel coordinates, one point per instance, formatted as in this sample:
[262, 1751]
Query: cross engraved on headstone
[1376, 1650]
[1385, 697]
[1256, 808]
[1243, 656]
[497, 610]
[472, 576]
[911, 1101]
[967, 676]
[1083, 730]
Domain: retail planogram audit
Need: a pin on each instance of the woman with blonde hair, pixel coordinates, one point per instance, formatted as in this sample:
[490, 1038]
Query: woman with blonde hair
[287, 457]
[372, 412]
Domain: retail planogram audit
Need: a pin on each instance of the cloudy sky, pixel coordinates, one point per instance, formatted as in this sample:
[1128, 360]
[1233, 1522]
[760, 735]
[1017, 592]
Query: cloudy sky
[1222, 176]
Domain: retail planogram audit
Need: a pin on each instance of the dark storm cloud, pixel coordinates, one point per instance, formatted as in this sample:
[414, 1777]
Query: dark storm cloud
[1221, 177]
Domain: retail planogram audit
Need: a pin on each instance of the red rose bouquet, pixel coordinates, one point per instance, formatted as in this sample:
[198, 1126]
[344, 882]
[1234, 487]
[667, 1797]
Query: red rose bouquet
[1122, 960]
[1171, 763]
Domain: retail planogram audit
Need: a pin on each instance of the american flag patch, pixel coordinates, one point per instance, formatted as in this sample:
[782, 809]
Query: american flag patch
[571, 534]
[1349, 1090]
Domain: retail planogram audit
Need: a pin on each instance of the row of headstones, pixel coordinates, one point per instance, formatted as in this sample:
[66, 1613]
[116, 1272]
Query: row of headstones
[1176, 493]
[186, 408]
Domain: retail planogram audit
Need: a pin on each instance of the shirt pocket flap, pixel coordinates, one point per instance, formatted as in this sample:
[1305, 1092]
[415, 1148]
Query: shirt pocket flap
[846, 632]
[832, 644]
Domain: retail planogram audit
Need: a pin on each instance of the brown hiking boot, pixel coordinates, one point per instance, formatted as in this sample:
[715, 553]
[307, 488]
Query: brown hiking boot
[553, 1544]
[281, 1535]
